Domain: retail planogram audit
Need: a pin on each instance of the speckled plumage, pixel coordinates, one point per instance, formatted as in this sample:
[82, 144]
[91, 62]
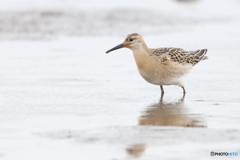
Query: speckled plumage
[162, 66]
[179, 55]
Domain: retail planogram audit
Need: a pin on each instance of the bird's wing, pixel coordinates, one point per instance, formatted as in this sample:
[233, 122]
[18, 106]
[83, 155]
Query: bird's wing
[179, 55]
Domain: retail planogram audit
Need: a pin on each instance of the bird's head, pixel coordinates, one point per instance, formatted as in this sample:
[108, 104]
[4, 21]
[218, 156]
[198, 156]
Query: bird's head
[132, 41]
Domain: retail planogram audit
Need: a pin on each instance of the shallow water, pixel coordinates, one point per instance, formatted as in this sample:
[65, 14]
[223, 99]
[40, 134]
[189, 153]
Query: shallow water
[95, 106]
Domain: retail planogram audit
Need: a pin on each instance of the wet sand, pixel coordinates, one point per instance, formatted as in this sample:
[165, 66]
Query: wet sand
[95, 106]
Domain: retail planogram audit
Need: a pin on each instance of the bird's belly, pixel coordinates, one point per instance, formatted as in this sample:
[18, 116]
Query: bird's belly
[164, 75]
[158, 79]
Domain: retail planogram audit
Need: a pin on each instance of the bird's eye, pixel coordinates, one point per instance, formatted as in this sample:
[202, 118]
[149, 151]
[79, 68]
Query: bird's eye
[130, 39]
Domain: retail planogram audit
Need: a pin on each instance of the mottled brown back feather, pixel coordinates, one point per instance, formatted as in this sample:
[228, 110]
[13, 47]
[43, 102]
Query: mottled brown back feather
[179, 55]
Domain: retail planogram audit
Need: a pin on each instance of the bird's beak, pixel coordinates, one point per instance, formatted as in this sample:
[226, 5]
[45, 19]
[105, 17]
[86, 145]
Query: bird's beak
[115, 48]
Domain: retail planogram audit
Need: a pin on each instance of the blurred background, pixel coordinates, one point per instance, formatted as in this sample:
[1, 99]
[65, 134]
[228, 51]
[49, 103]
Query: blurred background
[27, 19]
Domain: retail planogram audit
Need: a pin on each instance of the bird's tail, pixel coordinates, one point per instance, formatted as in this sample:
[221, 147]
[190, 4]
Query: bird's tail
[205, 58]
[196, 56]
[201, 54]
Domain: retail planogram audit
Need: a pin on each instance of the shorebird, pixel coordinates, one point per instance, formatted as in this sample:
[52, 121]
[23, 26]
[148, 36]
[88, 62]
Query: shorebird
[162, 66]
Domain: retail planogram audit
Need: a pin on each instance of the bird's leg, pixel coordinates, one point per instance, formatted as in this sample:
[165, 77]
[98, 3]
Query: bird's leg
[182, 99]
[161, 87]
[161, 98]
[184, 92]
[162, 93]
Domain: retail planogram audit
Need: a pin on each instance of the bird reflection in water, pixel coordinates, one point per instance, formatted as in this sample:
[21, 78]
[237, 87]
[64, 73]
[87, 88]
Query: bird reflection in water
[136, 150]
[170, 114]
[174, 113]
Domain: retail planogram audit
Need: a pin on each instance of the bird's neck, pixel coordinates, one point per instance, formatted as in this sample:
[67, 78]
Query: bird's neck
[141, 56]
[141, 50]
